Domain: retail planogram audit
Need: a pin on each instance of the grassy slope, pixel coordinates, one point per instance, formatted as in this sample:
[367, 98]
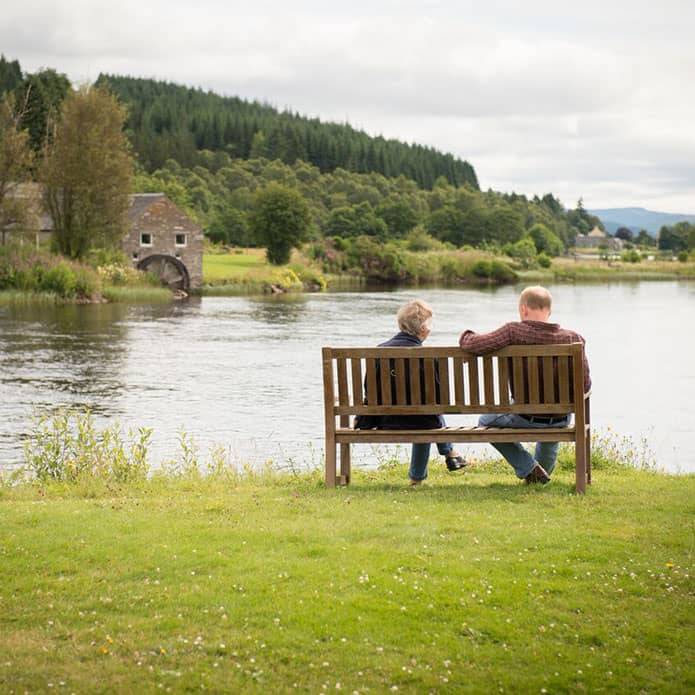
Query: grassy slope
[262, 584]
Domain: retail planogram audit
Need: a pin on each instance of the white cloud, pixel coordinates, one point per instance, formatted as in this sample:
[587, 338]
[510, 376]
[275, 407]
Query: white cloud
[593, 101]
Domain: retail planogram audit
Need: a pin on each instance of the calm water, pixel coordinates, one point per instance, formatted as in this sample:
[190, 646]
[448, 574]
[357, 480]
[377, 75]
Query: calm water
[245, 373]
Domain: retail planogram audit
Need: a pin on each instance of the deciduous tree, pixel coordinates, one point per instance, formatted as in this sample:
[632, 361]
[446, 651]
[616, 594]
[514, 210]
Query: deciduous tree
[87, 173]
[280, 221]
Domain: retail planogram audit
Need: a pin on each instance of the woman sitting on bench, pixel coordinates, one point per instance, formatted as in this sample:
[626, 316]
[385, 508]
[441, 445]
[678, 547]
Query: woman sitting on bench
[415, 323]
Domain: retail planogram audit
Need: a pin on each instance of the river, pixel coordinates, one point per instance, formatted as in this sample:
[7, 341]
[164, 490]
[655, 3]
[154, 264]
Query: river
[244, 373]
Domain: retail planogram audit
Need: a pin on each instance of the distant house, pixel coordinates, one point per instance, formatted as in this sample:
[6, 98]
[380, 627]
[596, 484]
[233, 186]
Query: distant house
[164, 240]
[597, 238]
[36, 227]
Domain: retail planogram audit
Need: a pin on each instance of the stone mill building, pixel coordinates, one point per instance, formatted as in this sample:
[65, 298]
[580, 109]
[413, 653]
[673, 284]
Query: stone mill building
[164, 240]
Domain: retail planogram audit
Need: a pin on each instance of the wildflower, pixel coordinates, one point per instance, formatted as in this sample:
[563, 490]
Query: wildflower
[670, 565]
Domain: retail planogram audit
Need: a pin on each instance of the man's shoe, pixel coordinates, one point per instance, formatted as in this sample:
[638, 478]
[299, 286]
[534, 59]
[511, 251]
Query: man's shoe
[537, 475]
[414, 483]
[455, 463]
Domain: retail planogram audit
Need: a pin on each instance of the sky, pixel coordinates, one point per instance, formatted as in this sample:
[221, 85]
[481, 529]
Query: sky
[592, 99]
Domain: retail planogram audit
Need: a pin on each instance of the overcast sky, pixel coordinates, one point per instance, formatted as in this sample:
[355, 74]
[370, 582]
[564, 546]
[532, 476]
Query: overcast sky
[592, 99]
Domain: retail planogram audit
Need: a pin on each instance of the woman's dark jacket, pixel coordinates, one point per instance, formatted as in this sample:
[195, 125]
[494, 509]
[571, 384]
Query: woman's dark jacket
[401, 422]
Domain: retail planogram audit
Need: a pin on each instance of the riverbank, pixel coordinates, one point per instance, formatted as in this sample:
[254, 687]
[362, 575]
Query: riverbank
[271, 583]
[245, 271]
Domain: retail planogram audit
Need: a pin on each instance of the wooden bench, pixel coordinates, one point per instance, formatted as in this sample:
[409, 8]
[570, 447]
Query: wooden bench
[545, 380]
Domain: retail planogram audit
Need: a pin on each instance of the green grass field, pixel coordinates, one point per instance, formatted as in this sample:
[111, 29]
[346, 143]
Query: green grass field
[273, 583]
[232, 267]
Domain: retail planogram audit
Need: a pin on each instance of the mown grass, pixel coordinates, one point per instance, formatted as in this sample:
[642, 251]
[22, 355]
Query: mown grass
[267, 582]
[247, 270]
[232, 267]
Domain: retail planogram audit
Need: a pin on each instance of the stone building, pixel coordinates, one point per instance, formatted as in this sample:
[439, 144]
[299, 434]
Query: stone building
[597, 238]
[164, 240]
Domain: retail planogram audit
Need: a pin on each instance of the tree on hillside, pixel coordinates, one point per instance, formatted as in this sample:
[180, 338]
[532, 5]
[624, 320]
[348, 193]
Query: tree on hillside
[16, 159]
[10, 74]
[43, 93]
[279, 221]
[87, 173]
[624, 233]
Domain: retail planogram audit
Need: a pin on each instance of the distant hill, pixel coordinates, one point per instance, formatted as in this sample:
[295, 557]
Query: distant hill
[638, 218]
[170, 121]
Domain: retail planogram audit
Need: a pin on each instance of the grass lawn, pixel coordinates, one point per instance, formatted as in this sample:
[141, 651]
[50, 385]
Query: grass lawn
[273, 583]
[232, 267]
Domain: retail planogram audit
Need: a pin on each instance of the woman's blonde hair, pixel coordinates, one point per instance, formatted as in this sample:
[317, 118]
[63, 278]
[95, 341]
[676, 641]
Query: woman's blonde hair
[413, 316]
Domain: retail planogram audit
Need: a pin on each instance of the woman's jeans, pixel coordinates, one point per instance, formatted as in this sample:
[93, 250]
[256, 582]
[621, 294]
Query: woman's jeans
[420, 457]
[517, 456]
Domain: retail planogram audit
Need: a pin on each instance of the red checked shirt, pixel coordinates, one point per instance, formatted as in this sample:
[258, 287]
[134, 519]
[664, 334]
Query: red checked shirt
[523, 333]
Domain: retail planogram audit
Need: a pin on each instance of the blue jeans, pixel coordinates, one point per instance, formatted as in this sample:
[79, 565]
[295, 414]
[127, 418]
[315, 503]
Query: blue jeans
[516, 455]
[421, 456]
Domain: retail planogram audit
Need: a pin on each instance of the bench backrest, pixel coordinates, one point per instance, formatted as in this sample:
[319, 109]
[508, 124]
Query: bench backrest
[428, 380]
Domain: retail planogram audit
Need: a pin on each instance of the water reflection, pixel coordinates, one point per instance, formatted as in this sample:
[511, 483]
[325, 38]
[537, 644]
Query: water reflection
[245, 372]
[280, 310]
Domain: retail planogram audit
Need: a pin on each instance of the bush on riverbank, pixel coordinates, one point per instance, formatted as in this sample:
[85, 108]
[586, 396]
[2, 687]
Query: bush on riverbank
[265, 582]
[41, 274]
[410, 261]
[31, 270]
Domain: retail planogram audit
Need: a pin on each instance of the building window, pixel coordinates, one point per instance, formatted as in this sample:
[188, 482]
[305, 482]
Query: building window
[180, 239]
[145, 239]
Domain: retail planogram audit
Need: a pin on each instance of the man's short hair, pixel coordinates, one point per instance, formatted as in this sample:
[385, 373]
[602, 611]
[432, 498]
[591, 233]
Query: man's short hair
[413, 316]
[536, 297]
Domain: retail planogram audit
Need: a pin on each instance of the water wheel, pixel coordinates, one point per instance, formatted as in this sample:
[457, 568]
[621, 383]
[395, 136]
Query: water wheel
[171, 271]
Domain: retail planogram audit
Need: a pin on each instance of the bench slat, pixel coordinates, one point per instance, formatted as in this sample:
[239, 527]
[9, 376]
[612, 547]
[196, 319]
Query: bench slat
[548, 380]
[533, 386]
[563, 379]
[443, 373]
[356, 369]
[459, 389]
[430, 390]
[371, 381]
[488, 380]
[473, 381]
[401, 392]
[343, 394]
[385, 379]
[503, 366]
[415, 395]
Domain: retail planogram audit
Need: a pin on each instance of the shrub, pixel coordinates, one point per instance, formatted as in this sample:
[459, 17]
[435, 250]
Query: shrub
[493, 270]
[544, 260]
[683, 256]
[632, 256]
[59, 279]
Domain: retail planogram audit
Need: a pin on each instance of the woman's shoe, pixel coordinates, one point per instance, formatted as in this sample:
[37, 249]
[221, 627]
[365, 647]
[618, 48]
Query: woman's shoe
[455, 463]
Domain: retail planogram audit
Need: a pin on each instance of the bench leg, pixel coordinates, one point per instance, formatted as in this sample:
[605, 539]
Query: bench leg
[580, 465]
[330, 462]
[588, 457]
[345, 464]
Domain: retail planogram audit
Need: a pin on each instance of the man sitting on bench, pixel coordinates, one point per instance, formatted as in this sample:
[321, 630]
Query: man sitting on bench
[534, 328]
